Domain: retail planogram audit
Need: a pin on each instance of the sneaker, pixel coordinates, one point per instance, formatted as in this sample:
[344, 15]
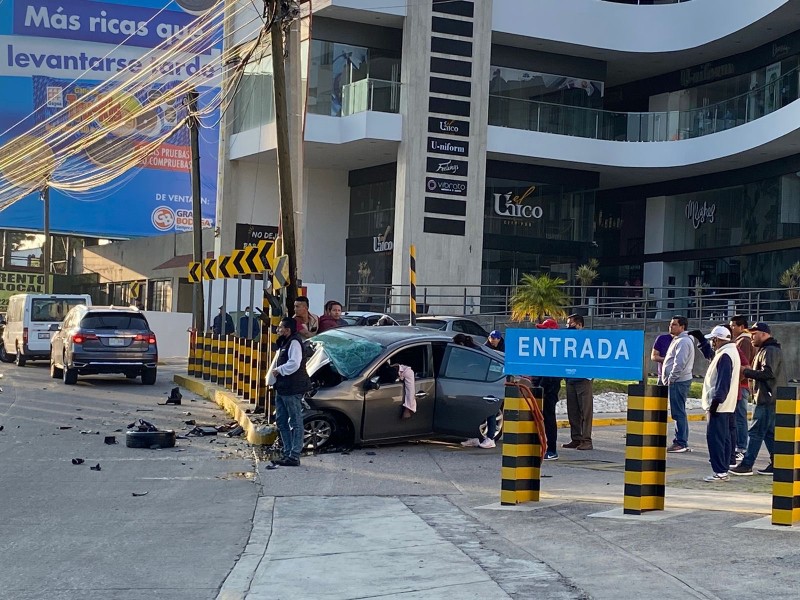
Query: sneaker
[551, 455]
[471, 443]
[768, 470]
[585, 446]
[716, 477]
[572, 444]
[677, 448]
[739, 456]
[487, 443]
[287, 462]
[742, 469]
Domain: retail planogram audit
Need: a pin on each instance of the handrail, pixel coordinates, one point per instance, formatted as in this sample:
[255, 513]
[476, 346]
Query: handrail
[655, 126]
[370, 94]
[633, 304]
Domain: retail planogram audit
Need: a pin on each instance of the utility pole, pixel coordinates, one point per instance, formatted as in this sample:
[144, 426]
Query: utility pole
[46, 248]
[284, 160]
[197, 215]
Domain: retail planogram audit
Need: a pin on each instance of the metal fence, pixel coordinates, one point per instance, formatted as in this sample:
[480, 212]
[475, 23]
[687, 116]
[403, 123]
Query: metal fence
[634, 303]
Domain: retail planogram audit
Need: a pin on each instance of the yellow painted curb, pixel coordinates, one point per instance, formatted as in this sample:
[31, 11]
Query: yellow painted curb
[607, 422]
[231, 404]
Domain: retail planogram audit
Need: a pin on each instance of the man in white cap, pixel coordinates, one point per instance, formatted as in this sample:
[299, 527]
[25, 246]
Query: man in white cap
[720, 391]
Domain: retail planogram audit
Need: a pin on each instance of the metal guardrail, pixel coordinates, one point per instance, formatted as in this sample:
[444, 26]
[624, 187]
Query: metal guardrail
[631, 303]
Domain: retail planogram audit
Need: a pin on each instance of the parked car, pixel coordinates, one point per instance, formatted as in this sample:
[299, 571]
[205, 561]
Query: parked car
[360, 318]
[456, 325]
[356, 398]
[29, 317]
[104, 339]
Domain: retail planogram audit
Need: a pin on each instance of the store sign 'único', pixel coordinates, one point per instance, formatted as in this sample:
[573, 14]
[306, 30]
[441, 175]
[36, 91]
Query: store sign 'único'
[575, 353]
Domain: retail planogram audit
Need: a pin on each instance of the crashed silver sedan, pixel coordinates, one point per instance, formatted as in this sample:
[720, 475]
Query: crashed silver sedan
[356, 398]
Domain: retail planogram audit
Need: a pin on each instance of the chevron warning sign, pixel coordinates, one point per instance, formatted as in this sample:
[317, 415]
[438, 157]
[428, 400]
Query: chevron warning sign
[210, 268]
[237, 262]
[266, 253]
[135, 288]
[225, 267]
[195, 272]
[252, 261]
[281, 276]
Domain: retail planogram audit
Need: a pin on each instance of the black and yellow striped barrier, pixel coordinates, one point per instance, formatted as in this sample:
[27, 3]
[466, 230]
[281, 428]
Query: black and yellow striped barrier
[522, 448]
[206, 357]
[227, 357]
[412, 279]
[254, 371]
[214, 357]
[248, 348]
[190, 370]
[261, 401]
[786, 460]
[645, 449]
[242, 366]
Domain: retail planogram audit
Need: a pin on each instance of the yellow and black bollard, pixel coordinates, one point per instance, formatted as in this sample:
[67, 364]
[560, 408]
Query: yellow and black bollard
[412, 279]
[214, 357]
[242, 366]
[255, 368]
[645, 449]
[248, 355]
[522, 448]
[786, 460]
[261, 401]
[190, 367]
[229, 341]
[235, 374]
[206, 357]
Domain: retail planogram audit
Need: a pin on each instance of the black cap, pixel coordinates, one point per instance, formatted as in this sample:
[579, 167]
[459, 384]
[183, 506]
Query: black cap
[760, 326]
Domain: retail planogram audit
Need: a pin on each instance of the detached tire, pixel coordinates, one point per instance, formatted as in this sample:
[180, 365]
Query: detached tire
[149, 439]
[149, 376]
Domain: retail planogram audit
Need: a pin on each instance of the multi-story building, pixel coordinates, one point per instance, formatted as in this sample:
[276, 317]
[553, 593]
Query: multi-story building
[503, 137]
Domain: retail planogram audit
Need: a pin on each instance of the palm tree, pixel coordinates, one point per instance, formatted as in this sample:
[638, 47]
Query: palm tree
[537, 296]
[790, 278]
[586, 275]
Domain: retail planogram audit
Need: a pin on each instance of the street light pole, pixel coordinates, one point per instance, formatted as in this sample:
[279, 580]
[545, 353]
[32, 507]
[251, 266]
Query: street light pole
[46, 250]
[197, 216]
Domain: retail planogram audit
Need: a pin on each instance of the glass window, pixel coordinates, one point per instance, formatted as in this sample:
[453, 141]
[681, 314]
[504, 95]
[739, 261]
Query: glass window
[463, 363]
[472, 328]
[159, 293]
[52, 310]
[415, 357]
[114, 320]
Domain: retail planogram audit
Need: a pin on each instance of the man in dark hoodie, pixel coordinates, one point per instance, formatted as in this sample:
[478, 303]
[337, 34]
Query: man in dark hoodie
[767, 375]
[332, 317]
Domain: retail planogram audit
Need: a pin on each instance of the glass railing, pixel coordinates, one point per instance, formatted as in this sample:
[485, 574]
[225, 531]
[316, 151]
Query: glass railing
[659, 126]
[371, 94]
[646, 2]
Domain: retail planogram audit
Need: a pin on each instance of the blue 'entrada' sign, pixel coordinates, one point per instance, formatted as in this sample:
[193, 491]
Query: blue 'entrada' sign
[585, 353]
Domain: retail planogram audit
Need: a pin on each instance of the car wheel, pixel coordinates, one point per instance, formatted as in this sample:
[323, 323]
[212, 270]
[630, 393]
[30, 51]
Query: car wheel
[5, 356]
[150, 439]
[319, 430]
[149, 376]
[55, 372]
[499, 431]
[19, 359]
[70, 376]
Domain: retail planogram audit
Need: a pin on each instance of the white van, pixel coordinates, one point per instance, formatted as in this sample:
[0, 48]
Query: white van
[28, 324]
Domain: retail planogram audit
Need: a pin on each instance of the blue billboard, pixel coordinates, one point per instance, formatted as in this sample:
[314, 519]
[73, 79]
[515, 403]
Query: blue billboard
[53, 54]
[579, 353]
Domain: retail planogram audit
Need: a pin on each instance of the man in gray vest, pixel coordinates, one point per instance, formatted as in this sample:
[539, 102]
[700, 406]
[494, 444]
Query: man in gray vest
[290, 380]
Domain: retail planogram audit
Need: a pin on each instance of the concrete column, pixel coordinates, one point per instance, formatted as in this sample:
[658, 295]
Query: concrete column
[441, 169]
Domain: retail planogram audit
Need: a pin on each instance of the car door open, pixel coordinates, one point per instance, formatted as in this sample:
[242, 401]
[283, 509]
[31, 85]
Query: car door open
[469, 388]
[383, 407]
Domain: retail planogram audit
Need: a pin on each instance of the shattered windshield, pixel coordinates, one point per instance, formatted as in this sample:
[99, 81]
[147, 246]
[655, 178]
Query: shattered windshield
[348, 353]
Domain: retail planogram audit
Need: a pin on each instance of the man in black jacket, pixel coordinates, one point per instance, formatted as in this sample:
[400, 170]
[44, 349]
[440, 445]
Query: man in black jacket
[290, 380]
[767, 375]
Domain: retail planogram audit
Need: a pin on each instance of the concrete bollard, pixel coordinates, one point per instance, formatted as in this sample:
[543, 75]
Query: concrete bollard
[645, 449]
[786, 460]
[206, 357]
[214, 358]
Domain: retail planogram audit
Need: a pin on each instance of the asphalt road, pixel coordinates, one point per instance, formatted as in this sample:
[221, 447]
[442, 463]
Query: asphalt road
[68, 532]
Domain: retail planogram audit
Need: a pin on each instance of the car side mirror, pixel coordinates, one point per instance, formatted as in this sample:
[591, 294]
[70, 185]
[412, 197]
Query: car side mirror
[373, 383]
[54, 327]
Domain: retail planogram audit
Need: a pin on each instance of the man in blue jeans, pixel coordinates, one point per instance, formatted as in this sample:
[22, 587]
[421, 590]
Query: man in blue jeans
[767, 375]
[290, 380]
[677, 375]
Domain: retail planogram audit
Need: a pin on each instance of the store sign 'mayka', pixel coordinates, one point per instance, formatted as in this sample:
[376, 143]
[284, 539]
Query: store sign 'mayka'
[511, 206]
[443, 146]
[447, 167]
[448, 126]
[700, 213]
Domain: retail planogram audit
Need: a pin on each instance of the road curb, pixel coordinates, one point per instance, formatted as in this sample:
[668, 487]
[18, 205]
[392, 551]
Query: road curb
[232, 405]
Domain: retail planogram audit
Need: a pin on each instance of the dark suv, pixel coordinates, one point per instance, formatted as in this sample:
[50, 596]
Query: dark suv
[103, 339]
